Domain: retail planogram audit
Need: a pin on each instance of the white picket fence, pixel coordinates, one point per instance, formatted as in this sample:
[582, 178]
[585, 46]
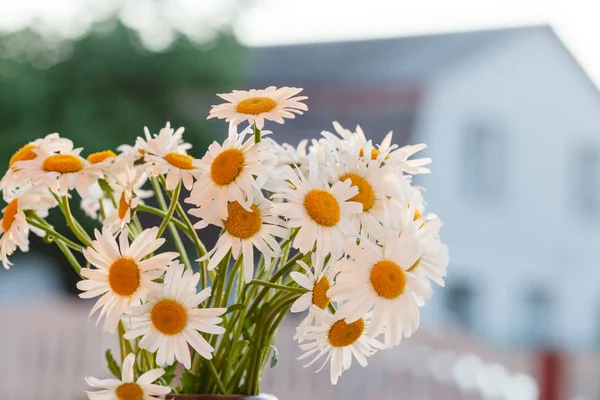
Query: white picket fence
[425, 367]
[47, 348]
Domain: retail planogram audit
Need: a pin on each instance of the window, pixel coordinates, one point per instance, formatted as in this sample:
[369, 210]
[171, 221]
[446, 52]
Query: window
[586, 179]
[459, 303]
[483, 161]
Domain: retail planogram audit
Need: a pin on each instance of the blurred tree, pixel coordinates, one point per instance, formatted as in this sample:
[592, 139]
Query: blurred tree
[108, 88]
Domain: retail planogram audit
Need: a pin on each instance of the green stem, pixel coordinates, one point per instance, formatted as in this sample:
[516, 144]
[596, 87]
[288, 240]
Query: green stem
[70, 257]
[72, 222]
[238, 369]
[138, 224]
[288, 266]
[102, 212]
[170, 211]
[51, 232]
[124, 345]
[257, 135]
[174, 234]
[213, 370]
[223, 269]
[193, 235]
[200, 248]
[262, 337]
[277, 286]
[231, 280]
[155, 211]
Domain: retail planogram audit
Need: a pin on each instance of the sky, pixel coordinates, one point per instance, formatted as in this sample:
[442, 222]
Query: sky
[268, 22]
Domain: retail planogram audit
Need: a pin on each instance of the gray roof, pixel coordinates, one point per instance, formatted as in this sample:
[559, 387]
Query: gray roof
[375, 83]
[405, 58]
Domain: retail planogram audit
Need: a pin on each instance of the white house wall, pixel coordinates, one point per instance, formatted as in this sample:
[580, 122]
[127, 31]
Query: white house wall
[534, 233]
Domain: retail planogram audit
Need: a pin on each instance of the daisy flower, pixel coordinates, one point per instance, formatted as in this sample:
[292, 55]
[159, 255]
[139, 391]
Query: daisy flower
[317, 280]
[376, 183]
[229, 172]
[322, 213]
[398, 157]
[339, 341]
[124, 274]
[348, 141]
[297, 157]
[376, 278]
[434, 259]
[256, 106]
[170, 321]
[286, 154]
[12, 179]
[127, 388]
[127, 182]
[164, 154]
[102, 160]
[244, 230]
[14, 229]
[93, 199]
[60, 171]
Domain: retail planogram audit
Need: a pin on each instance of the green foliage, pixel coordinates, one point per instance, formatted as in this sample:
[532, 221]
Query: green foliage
[189, 383]
[109, 88]
[167, 378]
[113, 367]
[274, 357]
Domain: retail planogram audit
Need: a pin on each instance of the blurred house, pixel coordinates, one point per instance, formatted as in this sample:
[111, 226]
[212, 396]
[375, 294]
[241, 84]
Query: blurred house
[512, 123]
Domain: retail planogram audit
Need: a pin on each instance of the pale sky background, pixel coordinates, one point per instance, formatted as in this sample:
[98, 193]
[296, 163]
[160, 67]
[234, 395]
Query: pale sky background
[268, 22]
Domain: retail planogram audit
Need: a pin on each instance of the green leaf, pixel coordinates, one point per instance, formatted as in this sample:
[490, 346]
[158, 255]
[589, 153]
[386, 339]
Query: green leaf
[274, 357]
[235, 307]
[112, 365]
[104, 186]
[169, 374]
[188, 380]
[246, 335]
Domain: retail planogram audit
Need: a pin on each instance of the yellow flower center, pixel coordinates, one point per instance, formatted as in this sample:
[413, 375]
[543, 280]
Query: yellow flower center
[342, 334]
[10, 212]
[388, 279]
[319, 297]
[100, 156]
[415, 265]
[181, 161]
[242, 223]
[62, 163]
[322, 207]
[256, 105]
[365, 195]
[227, 166]
[25, 153]
[123, 206]
[124, 276]
[129, 391]
[168, 317]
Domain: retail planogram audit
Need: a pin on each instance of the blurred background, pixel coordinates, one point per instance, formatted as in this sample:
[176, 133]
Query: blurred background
[504, 93]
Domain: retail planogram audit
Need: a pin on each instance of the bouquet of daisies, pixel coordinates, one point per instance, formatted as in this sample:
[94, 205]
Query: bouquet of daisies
[332, 228]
